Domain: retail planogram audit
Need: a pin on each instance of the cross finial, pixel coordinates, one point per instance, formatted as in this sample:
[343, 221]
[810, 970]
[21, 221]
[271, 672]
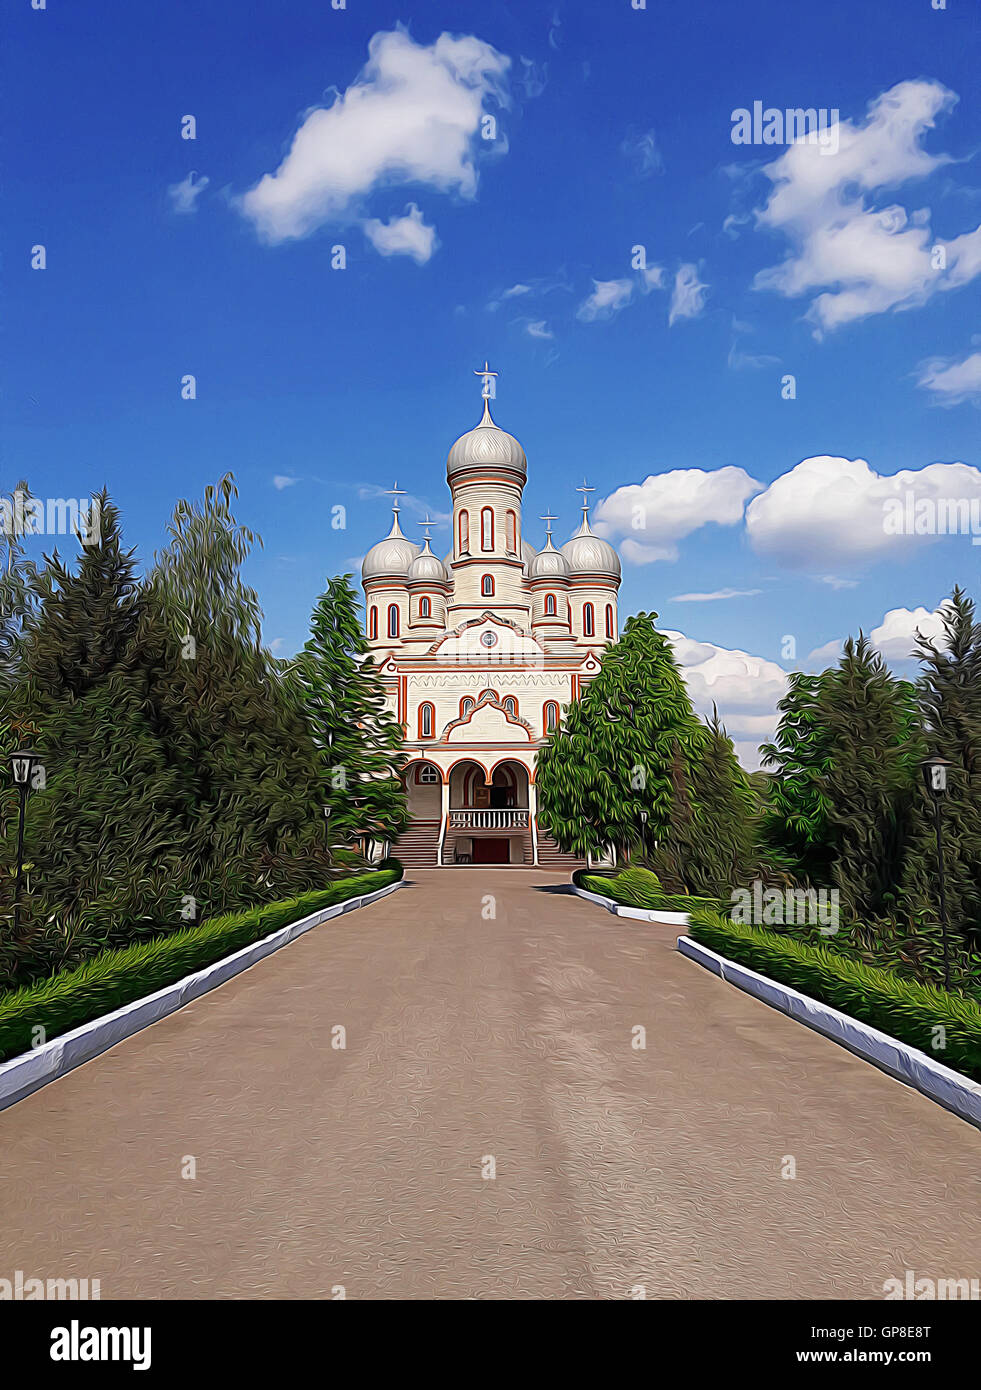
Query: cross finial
[488, 376]
[548, 518]
[585, 495]
[427, 522]
[396, 492]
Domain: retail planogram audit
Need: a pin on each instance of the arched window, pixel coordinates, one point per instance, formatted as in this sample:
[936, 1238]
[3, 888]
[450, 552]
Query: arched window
[427, 774]
[550, 605]
[587, 619]
[425, 607]
[487, 586]
[551, 717]
[463, 527]
[466, 705]
[393, 620]
[427, 718]
[373, 625]
[610, 634]
[512, 533]
[487, 528]
[511, 705]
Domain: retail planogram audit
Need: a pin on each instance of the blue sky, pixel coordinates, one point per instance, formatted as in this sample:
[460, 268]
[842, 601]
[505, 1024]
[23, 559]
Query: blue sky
[613, 130]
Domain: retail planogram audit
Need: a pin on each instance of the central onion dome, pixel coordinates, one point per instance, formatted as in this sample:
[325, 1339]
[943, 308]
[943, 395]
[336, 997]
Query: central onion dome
[485, 447]
[427, 568]
[591, 554]
[392, 556]
[549, 563]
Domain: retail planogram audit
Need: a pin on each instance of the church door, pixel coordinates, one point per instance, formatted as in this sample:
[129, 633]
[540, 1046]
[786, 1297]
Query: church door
[491, 850]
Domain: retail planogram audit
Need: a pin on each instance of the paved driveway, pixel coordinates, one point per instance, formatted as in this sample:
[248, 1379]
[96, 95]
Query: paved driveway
[489, 1018]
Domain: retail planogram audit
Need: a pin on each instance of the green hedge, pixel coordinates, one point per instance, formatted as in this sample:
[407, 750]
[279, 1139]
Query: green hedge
[117, 977]
[902, 1008]
[637, 887]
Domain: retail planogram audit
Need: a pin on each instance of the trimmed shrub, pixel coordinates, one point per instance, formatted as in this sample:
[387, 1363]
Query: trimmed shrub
[905, 1009]
[636, 887]
[114, 978]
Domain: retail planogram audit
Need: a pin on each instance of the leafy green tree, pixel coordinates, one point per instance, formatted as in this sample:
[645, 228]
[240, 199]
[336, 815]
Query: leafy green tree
[621, 751]
[358, 742]
[722, 849]
[795, 830]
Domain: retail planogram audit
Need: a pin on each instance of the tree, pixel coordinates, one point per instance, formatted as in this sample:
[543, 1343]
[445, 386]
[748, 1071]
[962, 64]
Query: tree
[795, 831]
[721, 853]
[358, 742]
[620, 750]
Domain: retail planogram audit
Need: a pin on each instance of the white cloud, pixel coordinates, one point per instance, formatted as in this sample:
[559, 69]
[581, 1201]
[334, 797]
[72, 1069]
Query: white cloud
[716, 594]
[658, 512]
[539, 329]
[894, 638]
[866, 259]
[412, 116]
[403, 236]
[608, 298]
[830, 509]
[642, 153]
[951, 381]
[688, 296]
[282, 480]
[184, 195]
[745, 688]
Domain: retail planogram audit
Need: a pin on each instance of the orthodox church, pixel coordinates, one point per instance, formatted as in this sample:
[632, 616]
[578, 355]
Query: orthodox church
[482, 650]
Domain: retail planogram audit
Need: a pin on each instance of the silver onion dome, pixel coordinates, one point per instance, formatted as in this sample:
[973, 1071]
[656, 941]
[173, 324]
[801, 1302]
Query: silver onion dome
[549, 563]
[591, 554]
[392, 556]
[487, 446]
[427, 568]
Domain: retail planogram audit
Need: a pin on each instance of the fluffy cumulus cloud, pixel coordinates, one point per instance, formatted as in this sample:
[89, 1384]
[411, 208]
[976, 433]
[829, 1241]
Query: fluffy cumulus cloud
[403, 236]
[864, 254]
[688, 295]
[831, 510]
[412, 116]
[952, 381]
[745, 688]
[895, 637]
[608, 297]
[655, 514]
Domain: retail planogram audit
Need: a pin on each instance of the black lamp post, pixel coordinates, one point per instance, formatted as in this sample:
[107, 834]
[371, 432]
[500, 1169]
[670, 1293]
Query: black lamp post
[935, 777]
[22, 764]
[643, 835]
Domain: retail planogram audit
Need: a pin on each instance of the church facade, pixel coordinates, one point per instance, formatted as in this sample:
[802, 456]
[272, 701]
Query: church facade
[482, 650]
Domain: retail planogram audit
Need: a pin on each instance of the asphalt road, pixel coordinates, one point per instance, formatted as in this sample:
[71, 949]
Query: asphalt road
[489, 1130]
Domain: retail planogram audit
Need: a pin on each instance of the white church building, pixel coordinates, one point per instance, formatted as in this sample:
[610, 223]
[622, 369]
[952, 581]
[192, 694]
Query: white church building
[482, 651]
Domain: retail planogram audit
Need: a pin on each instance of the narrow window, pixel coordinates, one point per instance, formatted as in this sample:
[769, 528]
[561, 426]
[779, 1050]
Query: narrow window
[393, 620]
[609, 622]
[373, 625]
[464, 529]
[487, 586]
[425, 607]
[550, 605]
[427, 716]
[587, 619]
[511, 705]
[512, 534]
[466, 705]
[487, 529]
[551, 717]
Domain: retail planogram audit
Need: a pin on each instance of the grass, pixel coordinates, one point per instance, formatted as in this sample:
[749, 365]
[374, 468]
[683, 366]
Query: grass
[117, 977]
[945, 1026]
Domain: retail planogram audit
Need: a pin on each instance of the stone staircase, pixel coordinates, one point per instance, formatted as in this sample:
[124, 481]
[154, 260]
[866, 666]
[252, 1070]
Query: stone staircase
[551, 857]
[417, 846]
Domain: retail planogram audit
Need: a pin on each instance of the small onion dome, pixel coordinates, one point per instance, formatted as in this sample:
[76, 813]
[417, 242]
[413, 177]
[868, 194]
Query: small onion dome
[591, 554]
[428, 568]
[392, 556]
[485, 447]
[549, 564]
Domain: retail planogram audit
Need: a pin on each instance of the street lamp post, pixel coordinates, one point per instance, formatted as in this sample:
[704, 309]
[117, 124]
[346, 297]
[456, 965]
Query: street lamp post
[643, 835]
[22, 764]
[935, 777]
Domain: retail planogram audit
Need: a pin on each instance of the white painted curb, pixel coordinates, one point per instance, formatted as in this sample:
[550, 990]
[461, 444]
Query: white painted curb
[639, 914]
[908, 1064]
[31, 1070]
